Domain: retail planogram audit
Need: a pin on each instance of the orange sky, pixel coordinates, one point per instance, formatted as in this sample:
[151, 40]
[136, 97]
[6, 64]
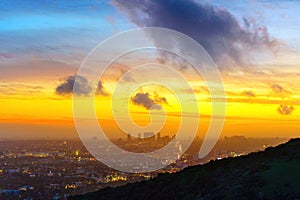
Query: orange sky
[33, 109]
[255, 45]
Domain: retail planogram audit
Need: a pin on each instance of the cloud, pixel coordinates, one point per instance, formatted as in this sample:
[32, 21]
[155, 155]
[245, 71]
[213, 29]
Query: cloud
[6, 56]
[28, 70]
[248, 94]
[83, 86]
[216, 29]
[281, 92]
[262, 101]
[126, 77]
[111, 21]
[19, 88]
[198, 90]
[277, 89]
[100, 90]
[145, 100]
[285, 109]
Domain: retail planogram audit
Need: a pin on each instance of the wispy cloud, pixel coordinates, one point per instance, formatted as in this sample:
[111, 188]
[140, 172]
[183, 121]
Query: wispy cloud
[248, 94]
[277, 89]
[6, 56]
[19, 88]
[34, 69]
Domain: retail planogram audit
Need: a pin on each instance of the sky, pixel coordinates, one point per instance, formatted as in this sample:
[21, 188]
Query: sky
[255, 45]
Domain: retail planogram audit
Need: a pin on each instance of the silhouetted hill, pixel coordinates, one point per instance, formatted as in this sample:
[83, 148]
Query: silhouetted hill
[270, 174]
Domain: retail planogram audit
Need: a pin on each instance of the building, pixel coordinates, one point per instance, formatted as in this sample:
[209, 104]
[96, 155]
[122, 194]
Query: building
[148, 134]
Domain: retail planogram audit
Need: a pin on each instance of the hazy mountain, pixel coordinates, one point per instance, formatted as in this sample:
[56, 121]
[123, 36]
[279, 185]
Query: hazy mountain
[270, 174]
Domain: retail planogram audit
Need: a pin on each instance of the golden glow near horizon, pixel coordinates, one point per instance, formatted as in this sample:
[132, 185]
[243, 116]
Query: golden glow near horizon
[252, 104]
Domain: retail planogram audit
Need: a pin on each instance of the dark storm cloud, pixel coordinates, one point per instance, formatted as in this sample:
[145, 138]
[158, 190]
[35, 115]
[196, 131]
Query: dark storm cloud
[100, 90]
[145, 100]
[67, 86]
[216, 29]
[285, 109]
[248, 93]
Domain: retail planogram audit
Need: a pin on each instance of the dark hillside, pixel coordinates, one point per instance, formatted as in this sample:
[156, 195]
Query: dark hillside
[270, 174]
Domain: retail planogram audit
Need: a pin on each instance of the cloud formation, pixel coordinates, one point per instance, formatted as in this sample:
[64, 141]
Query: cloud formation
[148, 102]
[277, 89]
[100, 90]
[67, 86]
[248, 94]
[285, 109]
[18, 88]
[6, 56]
[216, 29]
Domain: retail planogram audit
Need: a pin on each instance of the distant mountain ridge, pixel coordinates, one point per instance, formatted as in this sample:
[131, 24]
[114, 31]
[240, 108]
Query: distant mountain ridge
[270, 174]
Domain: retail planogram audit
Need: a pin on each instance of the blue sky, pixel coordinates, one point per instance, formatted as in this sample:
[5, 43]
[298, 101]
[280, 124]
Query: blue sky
[50, 28]
[63, 29]
[280, 16]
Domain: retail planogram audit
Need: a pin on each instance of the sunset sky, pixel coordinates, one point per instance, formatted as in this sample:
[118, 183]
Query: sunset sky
[255, 44]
